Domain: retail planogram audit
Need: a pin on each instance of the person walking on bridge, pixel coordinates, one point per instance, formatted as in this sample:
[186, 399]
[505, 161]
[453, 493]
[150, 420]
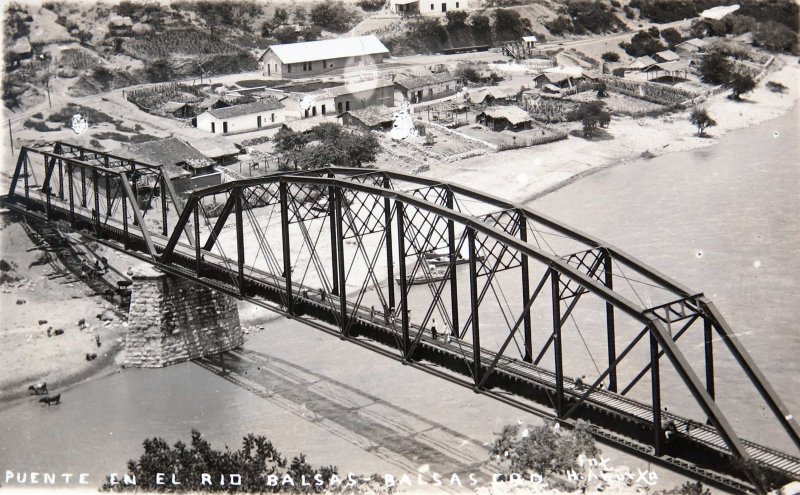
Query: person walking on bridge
[434, 334]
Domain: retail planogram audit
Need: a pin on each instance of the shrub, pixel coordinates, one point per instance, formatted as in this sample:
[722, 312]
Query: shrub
[715, 68]
[773, 86]
[774, 37]
[286, 34]
[671, 36]
[509, 25]
[481, 27]
[371, 5]
[740, 83]
[611, 56]
[642, 44]
[592, 115]
[466, 73]
[593, 16]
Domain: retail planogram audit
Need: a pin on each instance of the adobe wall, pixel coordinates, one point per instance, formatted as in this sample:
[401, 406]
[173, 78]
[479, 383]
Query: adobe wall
[173, 320]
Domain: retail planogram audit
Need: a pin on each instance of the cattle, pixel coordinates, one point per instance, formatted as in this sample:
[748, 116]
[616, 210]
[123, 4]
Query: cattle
[39, 388]
[55, 399]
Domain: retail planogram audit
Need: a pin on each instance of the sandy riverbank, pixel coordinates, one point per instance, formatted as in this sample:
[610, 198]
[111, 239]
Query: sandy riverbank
[27, 297]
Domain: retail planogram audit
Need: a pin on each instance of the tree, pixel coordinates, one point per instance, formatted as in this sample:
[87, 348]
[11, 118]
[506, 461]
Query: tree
[481, 27]
[602, 89]
[286, 34]
[508, 25]
[715, 68]
[740, 83]
[280, 17]
[466, 73]
[611, 57]
[310, 33]
[700, 119]
[544, 450]
[642, 44]
[332, 15]
[300, 14]
[456, 20]
[592, 115]
[324, 145]
[672, 36]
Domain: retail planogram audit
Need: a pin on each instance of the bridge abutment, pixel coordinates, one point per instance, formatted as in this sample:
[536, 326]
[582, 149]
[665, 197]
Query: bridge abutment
[173, 320]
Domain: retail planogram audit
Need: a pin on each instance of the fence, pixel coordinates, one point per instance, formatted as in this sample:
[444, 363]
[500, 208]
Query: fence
[657, 93]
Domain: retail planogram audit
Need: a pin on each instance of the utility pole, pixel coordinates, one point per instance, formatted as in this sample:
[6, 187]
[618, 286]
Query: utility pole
[47, 83]
[10, 136]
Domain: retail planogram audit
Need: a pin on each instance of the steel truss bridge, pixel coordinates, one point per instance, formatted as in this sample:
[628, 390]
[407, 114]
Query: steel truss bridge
[521, 302]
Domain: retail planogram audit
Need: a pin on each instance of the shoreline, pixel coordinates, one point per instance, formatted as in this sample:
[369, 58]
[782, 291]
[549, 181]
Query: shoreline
[555, 165]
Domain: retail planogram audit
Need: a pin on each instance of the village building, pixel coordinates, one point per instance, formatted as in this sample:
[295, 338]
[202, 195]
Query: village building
[312, 58]
[418, 88]
[120, 27]
[678, 69]
[530, 41]
[178, 110]
[556, 81]
[242, 118]
[216, 148]
[20, 52]
[426, 7]
[369, 119]
[666, 56]
[509, 117]
[640, 63]
[340, 99]
[186, 167]
[691, 47]
[492, 95]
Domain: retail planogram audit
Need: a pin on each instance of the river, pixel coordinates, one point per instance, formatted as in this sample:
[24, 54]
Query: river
[724, 220]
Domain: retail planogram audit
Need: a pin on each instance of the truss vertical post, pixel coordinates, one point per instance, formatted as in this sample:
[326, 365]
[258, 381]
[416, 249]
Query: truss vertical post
[401, 261]
[125, 222]
[453, 257]
[70, 179]
[48, 171]
[387, 218]
[526, 292]
[96, 189]
[287, 252]
[25, 176]
[240, 239]
[474, 305]
[559, 365]
[61, 179]
[655, 381]
[340, 260]
[709, 354]
[83, 187]
[197, 255]
[108, 194]
[163, 193]
[610, 324]
[334, 236]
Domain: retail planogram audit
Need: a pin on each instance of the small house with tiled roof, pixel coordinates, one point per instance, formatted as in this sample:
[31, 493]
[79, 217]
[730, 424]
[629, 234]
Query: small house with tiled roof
[425, 87]
[248, 117]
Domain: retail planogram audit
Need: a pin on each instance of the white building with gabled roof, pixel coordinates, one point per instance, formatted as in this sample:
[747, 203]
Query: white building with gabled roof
[319, 57]
[429, 7]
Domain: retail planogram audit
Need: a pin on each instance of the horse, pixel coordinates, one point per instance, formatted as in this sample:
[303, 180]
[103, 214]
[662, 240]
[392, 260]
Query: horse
[49, 400]
[38, 388]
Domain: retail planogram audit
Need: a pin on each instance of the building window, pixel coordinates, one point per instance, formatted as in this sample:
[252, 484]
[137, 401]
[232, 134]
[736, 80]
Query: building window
[224, 127]
[289, 68]
[456, 4]
[339, 107]
[213, 128]
[305, 113]
[313, 111]
[276, 67]
[323, 109]
[311, 66]
[444, 7]
[258, 121]
[432, 7]
[272, 117]
[347, 105]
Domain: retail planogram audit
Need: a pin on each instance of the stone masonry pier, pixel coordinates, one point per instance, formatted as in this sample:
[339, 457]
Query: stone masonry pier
[173, 320]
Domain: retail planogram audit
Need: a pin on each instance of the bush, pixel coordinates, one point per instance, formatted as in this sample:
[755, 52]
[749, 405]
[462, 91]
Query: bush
[741, 83]
[593, 16]
[481, 28]
[543, 450]
[611, 57]
[671, 36]
[773, 86]
[286, 34]
[466, 73]
[775, 37]
[592, 115]
[371, 5]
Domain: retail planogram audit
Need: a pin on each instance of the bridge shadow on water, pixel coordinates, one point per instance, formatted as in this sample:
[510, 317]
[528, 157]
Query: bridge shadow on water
[388, 431]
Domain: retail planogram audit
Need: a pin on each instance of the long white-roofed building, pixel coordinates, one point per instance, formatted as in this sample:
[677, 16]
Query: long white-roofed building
[319, 57]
